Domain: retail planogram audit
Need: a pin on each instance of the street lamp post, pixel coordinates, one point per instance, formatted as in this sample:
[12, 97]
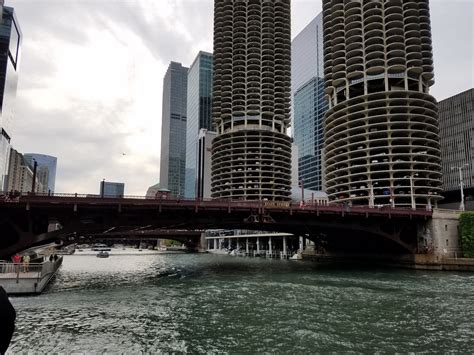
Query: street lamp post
[461, 184]
[102, 190]
[302, 191]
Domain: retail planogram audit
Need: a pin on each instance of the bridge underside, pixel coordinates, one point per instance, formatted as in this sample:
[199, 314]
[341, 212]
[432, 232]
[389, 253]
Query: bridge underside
[22, 228]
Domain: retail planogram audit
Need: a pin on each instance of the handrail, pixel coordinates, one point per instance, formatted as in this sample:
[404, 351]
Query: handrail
[29, 270]
[264, 205]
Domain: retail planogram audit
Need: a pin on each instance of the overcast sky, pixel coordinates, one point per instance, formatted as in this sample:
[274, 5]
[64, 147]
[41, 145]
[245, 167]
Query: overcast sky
[91, 75]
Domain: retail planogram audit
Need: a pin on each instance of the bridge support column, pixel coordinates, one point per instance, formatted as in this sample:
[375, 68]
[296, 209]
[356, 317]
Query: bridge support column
[203, 244]
[440, 236]
[247, 245]
[215, 244]
[270, 250]
[284, 246]
[302, 243]
[258, 245]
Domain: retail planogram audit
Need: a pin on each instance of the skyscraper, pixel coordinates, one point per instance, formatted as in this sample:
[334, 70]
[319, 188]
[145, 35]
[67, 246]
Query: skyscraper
[10, 44]
[456, 123]
[199, 108]
[251, 100]
[381, 130]
[21, 174]
[46, 165]
[173, 129]
[309, 102]
[204, 160]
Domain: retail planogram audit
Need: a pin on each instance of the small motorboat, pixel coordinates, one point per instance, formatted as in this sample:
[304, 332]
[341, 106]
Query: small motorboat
[102, 254]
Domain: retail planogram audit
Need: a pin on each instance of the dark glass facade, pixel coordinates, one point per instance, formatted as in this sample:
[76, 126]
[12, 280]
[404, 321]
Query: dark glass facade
[45, 161]
[10, 44]
[199, 114]
[309, 102]
[310, 105]
[112, 189]
[173, 129]
[456, 125]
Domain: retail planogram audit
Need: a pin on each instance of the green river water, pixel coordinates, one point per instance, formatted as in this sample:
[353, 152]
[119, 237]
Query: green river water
[183, 303]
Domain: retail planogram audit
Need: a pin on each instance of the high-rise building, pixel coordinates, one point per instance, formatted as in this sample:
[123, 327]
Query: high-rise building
[112, 189]
[294, 165]
[381, 131]
[309, 102]
[251, 100]
[204, 160]
[47, 164]
[10, 44]
[199, 109]
[173, 129]
[456, 123]
[21, 174]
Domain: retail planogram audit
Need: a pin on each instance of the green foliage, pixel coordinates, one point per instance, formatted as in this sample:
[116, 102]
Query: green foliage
[466, 229]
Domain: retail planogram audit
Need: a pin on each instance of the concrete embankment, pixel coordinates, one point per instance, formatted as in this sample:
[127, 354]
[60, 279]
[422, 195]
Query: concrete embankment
[419, 262]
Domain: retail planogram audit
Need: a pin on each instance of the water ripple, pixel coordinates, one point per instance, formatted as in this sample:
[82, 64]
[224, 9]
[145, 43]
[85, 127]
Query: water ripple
[214, 305]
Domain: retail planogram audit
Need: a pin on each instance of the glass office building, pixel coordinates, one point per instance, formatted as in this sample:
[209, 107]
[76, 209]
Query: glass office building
[310, 105]
[173, 129]
[309, 102]
[112, 189]
[44, 162]
[199, 115]
[456, 128]
[10, 44]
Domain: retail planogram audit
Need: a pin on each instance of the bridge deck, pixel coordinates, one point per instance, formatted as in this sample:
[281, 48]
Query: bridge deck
[261, 207]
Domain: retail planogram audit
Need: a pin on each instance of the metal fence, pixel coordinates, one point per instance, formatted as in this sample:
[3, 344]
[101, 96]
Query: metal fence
[28, 271]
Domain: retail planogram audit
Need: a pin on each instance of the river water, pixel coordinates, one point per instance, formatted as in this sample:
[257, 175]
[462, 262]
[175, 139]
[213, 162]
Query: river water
[222, 304]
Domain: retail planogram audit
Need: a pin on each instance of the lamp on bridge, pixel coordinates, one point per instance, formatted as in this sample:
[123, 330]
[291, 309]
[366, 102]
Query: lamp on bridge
[102, 188]
[302, 191]
[461, 184]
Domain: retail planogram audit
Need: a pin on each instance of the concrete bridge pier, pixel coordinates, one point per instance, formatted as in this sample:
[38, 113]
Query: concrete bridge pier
[439, 236]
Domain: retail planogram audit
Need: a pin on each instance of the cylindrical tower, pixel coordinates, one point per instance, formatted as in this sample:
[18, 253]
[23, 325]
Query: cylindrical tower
[251, 154]
[381, 131]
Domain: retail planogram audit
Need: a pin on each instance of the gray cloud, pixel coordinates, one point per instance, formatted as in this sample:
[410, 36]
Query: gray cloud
[88, 136]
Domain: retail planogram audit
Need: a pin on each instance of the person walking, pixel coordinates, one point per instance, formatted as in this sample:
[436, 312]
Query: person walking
[26, 263]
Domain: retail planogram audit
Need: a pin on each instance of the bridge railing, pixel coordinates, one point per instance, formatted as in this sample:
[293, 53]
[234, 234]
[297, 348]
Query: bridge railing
[214, 203]
[27, 271]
